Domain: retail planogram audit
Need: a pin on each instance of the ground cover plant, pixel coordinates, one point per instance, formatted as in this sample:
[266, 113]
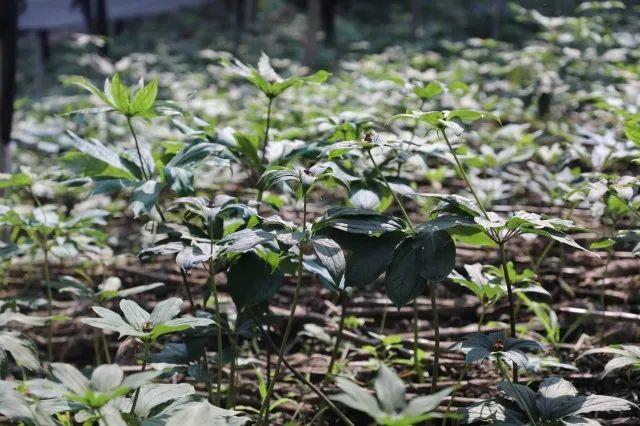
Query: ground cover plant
[423, 235]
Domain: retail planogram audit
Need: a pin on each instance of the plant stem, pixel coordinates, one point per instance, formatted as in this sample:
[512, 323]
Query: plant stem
[47, 279]
[264, 409]
[483, 312]
[383, 320]
[187, 289]
[135, 140]
[105, 347]
[417, 364]
[522, 403]
[265, 142]
[463, 173]
[96, 349]
[416, 360]
[512, 314]
[336, 345]
[205, 365]
[543, 255]
[453, 395]
[231, 393]
[306, 382]
[436, 330]
[145, 360]
[269, 353]
[395, 197]
[603, 303]
[214, 291]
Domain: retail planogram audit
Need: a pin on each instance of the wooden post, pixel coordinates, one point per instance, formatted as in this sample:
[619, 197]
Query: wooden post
[8, 44]
[311, 46]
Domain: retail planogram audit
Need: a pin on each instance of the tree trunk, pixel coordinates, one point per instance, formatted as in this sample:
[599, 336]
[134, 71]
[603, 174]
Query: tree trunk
[329, 21]
[311, 46]
[8, 44]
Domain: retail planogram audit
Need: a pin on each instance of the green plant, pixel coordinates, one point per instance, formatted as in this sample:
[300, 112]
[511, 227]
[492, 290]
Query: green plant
[113, 170]
[624, 357]
[267, 80]
[556, 402]
[389, 406]
[327, 250]
[495, 346]
[147, 327]
[43, 231]
[107, 383]
[426, 255]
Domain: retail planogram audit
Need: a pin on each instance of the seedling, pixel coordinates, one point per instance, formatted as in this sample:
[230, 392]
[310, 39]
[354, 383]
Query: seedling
[389, 406]
[556, 401]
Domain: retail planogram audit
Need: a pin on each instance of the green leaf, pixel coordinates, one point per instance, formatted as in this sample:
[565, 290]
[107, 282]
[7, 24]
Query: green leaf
[162, 329]
[470, 115]
[429, 91]
[202, 413]
[144, 197]
[105, 162]
[87, 85]
[252, 281]
[403, 281]
[70, 377]
[390, 390]
[119, 94]
[179, 180]
[144, 98]
[135, 315]
[23, 351]
[355, 397]
[14, 180]
[426, 404]
[331, 257]
[248, 147]
[317, 78]
[165, 310]
[601, 243]
[366, 257]
[632, 130]
[437, 255]
[106, 378]
[154, 395]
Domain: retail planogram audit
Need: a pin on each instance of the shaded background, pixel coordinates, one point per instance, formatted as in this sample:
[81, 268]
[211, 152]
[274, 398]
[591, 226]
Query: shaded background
[41, 39]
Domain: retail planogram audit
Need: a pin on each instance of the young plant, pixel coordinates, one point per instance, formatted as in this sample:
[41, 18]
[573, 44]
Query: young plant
[41, 230]
[425, 256]
[496, 347]
[147, 327]
[29, 406]
[21, 349]
[556, 402]
[489, 286]
[109, 289]
[200, 241]
[625, 357]
[367, 240]
[389, 406]
[497, 230]
[272, 85]
[327, 250]
[107, 383]
[112, 170]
